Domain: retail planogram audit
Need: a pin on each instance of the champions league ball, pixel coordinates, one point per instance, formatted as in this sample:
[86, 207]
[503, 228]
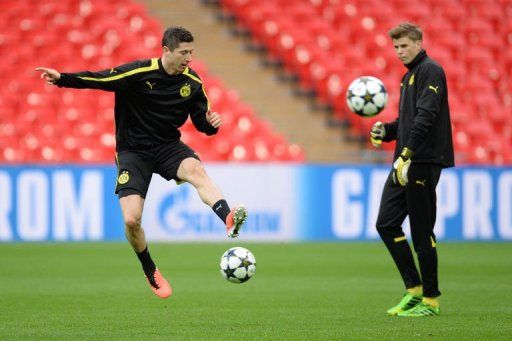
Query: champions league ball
[367, 96]
[237, 265]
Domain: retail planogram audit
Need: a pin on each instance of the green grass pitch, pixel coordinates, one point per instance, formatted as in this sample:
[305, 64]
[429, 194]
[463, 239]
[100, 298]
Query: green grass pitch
[316, 291]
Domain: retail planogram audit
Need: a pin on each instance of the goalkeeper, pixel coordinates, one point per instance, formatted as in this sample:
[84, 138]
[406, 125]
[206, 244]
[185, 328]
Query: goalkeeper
[423, 148]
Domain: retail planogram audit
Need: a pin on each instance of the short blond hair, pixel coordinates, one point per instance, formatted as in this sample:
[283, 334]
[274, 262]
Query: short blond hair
[408, 30]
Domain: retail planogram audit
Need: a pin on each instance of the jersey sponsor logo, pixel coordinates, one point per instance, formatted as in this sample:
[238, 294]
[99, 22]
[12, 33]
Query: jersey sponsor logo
[151, 85]
[123, 178]
[433, 88]
[185, 90]
[421, 182]
[411, 80]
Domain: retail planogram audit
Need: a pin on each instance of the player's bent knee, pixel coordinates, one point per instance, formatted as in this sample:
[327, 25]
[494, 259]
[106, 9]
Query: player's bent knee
[387, 231]
[192, 168]
[380, 229]
[382, 233]
[132, 223]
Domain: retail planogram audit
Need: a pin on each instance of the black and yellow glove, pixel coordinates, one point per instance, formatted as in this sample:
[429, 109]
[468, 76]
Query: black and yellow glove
[401, 167]
[377, 134]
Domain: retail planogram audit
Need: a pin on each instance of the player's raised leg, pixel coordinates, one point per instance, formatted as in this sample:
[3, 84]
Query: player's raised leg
[131, 207]
[192, 171]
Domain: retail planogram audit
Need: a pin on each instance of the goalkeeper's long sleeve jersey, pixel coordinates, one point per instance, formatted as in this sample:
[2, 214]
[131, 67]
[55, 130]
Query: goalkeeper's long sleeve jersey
[150, 104]
[423, 123]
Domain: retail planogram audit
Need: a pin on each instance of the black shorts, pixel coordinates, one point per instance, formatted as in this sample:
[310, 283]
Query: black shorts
[136, 167]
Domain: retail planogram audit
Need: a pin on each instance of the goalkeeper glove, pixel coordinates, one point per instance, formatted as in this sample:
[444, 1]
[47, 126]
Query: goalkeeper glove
[401, 167]
[377, 134]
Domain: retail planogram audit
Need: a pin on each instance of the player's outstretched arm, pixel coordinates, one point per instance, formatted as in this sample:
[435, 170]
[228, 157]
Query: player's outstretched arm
[108, 80]
[49, 75]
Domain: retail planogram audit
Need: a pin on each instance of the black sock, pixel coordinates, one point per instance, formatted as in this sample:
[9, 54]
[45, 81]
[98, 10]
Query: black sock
[148, 265]
[221, 208]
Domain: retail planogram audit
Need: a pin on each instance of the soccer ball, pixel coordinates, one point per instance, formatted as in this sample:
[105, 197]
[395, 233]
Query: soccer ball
[237, 265]
[367, 96]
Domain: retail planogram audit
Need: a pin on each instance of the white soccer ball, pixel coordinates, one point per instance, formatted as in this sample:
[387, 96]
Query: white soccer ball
[237, 265]
[367, 96]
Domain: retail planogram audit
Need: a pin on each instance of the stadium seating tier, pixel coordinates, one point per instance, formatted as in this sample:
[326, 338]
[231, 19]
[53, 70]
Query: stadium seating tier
[43, 124]
[328, 43]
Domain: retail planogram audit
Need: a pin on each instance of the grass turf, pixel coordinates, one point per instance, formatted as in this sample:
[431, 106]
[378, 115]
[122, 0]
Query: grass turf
[314, 291]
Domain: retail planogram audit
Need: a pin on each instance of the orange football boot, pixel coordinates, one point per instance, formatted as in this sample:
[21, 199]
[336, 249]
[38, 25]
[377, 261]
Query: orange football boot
[235, 219]
[159, 285]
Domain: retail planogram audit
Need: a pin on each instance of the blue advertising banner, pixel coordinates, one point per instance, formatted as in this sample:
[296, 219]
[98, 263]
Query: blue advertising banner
[67, 203]
[285, 203]
[473, 203]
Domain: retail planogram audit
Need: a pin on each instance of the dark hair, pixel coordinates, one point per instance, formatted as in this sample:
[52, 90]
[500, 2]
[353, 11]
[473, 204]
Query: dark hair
[175, 35]
[408, 30]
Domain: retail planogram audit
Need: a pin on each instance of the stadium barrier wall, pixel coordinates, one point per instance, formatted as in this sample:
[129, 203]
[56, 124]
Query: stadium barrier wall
[285, 203]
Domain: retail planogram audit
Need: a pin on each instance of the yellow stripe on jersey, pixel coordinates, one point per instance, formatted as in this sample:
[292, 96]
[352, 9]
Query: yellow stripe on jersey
[207, 99]
[399, 239]
[186, 73]
[433, 242]
[117, 166]
[153, 66]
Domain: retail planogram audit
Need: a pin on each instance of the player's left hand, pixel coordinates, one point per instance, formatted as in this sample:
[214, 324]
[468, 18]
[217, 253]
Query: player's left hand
[401, 167]
[377, 133]
[214, 119]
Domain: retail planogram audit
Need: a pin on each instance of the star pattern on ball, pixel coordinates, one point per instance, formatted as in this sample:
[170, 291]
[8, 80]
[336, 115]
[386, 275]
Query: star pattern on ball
[366, 96]
[229, 272]
[243, 262]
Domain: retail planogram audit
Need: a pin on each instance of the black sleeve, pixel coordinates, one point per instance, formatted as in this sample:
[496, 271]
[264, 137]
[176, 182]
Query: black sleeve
[391, 130]
[431, 89]
[198, 109]
[114, 79]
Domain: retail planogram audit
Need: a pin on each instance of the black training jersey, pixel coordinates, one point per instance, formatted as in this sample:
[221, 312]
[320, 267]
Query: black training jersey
[150, 104]
[423, 124]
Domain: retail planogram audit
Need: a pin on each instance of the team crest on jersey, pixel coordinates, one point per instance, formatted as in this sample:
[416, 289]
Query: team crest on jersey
[185, 90]
[123, 178]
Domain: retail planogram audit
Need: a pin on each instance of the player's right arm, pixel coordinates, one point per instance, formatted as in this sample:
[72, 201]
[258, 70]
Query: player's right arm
[114, 79]
[383, 132]
[391, 130]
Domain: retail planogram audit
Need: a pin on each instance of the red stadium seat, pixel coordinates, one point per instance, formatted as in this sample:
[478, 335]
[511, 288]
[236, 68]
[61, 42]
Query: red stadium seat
[416, 12]
[451, 10]
[475, 57]
[452, 41]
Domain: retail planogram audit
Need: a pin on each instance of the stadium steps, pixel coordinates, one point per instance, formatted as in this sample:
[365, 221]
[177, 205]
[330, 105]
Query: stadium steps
[258, 86]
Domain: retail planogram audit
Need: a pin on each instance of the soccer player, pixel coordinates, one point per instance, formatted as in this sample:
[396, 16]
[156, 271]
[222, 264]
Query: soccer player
[153, 98]
[423, 148]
